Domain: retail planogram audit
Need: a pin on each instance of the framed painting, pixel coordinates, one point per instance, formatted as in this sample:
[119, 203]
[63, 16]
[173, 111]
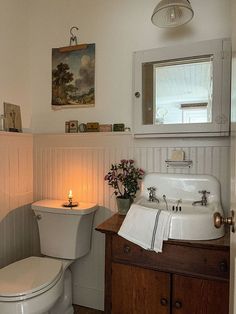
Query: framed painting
[12, 118]
[73, 77]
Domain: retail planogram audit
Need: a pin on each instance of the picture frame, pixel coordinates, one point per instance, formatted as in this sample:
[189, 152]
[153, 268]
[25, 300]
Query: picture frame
[12, 114]
[73, 77]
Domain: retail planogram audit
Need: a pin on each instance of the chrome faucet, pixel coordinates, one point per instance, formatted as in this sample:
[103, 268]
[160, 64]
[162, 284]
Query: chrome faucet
[152, 194]
[203, 201]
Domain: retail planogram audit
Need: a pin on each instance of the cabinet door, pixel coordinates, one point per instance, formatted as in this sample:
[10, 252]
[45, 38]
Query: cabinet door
[199, 296]
[137, 290]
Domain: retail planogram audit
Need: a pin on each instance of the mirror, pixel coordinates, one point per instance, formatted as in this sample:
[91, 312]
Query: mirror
[183, 89]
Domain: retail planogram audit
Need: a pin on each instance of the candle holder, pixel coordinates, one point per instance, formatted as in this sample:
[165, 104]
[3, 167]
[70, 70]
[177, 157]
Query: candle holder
[70, 203]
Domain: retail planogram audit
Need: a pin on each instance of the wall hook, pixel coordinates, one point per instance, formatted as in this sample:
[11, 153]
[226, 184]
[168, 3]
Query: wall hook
[73, 38]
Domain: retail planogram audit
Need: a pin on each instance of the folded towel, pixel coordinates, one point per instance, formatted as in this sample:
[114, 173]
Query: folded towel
[147, 227]
[138, 225]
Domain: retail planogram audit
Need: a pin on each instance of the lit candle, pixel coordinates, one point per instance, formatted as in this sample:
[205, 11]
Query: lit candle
[70, 202]
[70, 194]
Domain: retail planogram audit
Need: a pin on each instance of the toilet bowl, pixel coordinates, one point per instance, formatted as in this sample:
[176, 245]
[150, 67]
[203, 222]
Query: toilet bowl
[42, 285]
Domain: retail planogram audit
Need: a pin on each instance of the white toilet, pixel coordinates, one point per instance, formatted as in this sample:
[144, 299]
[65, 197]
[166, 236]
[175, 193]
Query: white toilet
[42, 285]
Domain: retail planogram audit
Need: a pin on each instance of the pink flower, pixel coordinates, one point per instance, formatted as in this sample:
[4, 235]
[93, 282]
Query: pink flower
[124, 178]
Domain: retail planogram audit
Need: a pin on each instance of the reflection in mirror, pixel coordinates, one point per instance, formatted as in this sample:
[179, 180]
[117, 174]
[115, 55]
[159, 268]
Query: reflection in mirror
[178, 91]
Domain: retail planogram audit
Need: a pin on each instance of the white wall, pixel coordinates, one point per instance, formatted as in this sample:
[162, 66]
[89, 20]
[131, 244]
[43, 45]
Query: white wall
[118, 28]
[28, 31]
[16, 169]
[18, 226]
[14, 57]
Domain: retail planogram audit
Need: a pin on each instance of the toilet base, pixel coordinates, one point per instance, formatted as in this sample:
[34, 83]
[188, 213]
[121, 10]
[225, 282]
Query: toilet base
[64, 303]
[70, 311]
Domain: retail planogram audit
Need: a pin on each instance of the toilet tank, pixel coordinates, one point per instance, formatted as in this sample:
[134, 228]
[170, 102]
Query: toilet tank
[64, 232]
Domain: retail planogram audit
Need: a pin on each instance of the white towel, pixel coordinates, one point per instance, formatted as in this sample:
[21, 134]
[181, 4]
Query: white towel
[147, 227]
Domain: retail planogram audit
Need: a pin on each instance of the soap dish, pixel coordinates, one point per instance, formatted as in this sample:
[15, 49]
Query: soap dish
[179, 163]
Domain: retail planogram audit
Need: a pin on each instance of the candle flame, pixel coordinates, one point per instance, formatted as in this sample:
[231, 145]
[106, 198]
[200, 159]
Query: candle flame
[70, 194]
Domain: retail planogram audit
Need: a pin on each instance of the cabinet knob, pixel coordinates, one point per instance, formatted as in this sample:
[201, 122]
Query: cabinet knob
[178, 304]
[137, 94]
[164, 301]
[126, 249]
[223, 266]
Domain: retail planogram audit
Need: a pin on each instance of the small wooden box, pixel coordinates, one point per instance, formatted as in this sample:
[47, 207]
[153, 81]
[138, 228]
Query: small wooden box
[92, 127]
[73, 126]
[118, 127]
[105, 127]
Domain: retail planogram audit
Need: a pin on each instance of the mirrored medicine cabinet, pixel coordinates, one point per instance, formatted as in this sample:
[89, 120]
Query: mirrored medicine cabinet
[183, 90]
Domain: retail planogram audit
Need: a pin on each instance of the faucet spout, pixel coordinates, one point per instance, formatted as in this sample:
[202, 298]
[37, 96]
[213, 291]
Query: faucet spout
[197, 202]
[203, 201]
[165, 200]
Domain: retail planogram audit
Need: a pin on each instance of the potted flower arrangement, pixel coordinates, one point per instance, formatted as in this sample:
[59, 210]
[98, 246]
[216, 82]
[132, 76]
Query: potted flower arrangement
[124, 177]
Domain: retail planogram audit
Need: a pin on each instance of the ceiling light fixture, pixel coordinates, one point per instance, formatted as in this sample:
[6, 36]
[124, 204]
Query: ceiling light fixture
[172, 13]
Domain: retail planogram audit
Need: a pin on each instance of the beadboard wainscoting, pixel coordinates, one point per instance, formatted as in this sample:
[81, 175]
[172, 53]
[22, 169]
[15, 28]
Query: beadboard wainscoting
[18, 228]
[19, 235]
[209, 156]
[80, 161]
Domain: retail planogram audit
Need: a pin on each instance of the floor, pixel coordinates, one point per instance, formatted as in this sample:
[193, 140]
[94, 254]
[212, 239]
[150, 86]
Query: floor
[85, 310]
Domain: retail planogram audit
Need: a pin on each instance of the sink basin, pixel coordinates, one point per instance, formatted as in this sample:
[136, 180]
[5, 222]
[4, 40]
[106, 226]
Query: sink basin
[190, 222]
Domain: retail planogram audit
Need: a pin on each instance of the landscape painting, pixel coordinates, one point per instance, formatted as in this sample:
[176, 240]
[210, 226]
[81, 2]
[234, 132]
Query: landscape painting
[73, 77]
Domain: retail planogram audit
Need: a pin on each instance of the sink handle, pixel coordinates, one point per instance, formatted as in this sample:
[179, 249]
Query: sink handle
[151, 189]
[204, 192]
[152, 194]
[204, 196]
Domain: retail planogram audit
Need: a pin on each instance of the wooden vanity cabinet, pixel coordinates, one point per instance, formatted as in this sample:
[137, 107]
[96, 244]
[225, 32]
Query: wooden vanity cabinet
[139, 290]
[188, 277]
[200, 296]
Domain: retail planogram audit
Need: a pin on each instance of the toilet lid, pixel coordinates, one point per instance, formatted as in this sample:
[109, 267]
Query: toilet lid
[28, 276]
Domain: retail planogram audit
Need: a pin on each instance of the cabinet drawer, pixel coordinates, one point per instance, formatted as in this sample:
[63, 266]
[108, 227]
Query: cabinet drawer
[182, 259]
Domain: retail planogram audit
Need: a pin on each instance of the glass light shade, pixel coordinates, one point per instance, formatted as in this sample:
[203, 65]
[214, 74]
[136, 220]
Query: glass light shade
[172, 13]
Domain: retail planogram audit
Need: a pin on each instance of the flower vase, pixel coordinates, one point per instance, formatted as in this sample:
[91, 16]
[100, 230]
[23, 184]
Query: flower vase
[123, 205]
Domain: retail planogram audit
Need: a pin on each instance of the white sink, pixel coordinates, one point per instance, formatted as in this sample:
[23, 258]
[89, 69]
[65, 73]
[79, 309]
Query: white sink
[188, 222]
